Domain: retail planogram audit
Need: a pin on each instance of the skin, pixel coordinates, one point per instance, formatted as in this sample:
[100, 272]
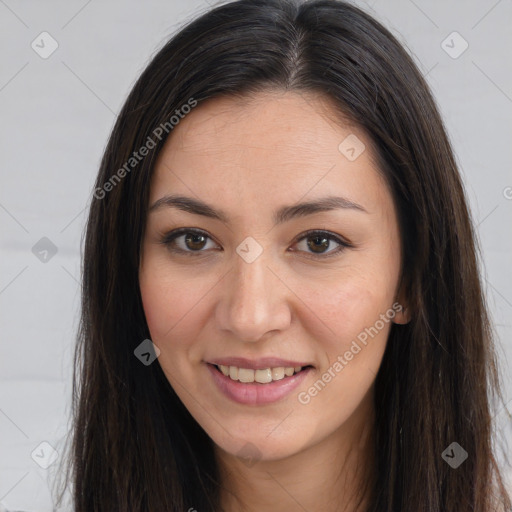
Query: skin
[248, 157]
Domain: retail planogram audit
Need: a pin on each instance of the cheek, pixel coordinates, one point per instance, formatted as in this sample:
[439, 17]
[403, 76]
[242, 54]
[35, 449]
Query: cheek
[353, 349]
[157, 303]
[350, 306]
[167, 299]
[363, 327]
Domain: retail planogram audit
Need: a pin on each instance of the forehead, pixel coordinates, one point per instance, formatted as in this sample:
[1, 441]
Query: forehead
[280, 120]
[281, 145]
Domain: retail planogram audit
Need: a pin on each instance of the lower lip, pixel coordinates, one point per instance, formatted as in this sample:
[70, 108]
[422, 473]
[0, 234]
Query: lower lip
[254, 393]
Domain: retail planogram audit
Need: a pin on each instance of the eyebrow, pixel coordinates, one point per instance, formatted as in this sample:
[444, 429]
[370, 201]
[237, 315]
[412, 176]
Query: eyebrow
[281, 215]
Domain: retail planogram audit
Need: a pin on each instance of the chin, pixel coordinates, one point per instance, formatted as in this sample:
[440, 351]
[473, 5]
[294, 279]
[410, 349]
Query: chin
[258, 444]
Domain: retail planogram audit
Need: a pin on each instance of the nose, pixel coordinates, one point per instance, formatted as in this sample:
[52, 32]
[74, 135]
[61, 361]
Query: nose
[254, 301]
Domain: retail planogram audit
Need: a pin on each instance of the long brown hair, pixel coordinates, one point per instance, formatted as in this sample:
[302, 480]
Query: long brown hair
[135, 446]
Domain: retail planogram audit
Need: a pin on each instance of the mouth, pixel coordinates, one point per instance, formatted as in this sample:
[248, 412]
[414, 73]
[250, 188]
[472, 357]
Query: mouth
[260, 376]
[249, 386]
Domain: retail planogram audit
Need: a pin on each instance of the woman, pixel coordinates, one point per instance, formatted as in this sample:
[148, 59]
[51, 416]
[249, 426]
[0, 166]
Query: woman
[281, 301]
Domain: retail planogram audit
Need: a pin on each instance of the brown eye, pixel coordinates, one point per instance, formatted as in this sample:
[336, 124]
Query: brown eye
[189, 242]
[195, 242]
[318, 244]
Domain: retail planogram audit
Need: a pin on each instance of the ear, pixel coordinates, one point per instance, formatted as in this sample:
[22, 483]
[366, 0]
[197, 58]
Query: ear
[402, 317]
[402, 310]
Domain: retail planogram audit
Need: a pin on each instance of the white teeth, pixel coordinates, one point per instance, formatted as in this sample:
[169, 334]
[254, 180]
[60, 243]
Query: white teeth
[263, 376]
[278, 373]
[245, 375]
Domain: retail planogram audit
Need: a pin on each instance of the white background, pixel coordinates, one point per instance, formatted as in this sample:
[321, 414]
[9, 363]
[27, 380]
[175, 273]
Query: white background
[57, 113]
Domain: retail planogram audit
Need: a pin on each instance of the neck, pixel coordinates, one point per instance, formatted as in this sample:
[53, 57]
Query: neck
[334, 475]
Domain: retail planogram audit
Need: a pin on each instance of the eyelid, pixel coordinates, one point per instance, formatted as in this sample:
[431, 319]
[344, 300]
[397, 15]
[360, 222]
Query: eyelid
[169, 237]
[341, 241]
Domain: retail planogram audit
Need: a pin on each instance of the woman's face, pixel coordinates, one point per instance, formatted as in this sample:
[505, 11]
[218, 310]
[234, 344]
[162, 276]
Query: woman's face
[242, 289]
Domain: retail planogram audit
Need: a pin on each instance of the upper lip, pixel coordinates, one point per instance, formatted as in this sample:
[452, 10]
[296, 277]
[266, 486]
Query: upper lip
[257, 364]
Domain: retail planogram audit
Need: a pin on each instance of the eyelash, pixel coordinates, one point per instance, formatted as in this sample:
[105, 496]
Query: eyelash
[170, 237]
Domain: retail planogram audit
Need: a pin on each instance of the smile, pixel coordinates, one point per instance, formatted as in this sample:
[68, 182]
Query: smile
[262, 376]
[257, 386]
